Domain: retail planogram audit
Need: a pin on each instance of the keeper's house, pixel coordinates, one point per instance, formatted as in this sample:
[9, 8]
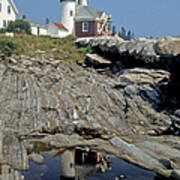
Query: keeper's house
[8, 12]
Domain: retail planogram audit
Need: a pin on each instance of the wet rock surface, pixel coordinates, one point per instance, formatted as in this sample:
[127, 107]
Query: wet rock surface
[47, 103]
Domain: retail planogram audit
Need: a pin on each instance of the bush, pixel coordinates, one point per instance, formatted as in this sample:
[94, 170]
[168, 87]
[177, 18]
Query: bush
[9, 47]
[19, 26]
[2, 30]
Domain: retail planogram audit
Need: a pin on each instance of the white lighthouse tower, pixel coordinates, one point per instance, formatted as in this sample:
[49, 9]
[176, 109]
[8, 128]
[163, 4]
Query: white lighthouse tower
[82, 2]
[68, 11]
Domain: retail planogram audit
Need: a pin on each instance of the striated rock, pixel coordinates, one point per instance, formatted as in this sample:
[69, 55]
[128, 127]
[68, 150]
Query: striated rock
[59, 104]
[137, 52]
[135, 154]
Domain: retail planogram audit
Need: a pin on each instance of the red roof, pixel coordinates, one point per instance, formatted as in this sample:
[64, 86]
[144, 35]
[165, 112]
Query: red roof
[60, 26]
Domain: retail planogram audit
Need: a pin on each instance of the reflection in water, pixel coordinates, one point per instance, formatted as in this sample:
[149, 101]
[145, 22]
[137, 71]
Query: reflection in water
[8, 173]
[79, 163]
[85, 164]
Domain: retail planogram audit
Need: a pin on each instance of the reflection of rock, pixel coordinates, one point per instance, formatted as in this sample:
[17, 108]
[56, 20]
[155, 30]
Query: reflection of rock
[37, 158]
[13, 152]
[7, 173]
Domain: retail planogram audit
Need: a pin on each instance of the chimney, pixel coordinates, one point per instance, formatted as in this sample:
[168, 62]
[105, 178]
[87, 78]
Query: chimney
[24, 16]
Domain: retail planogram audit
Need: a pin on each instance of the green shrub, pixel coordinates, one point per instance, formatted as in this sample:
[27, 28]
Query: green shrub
[2, 30]
[9, 47]
[19, 26]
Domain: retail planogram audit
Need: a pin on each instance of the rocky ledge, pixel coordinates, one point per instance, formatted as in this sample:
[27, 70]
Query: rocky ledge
[47, 103]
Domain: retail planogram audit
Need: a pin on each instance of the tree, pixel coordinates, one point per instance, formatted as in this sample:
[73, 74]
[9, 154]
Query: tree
[19, 26]
[114, 30]
[126, 35]
[47, 21]
[129, 35]
[123, 33]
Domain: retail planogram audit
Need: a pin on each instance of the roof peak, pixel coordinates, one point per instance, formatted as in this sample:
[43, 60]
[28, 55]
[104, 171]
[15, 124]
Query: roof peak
[60, 26]
[13, 6]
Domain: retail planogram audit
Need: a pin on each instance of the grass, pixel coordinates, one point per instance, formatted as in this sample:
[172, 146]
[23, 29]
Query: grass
[62, 49]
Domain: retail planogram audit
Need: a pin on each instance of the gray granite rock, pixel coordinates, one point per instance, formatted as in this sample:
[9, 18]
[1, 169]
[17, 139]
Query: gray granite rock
[135, 153]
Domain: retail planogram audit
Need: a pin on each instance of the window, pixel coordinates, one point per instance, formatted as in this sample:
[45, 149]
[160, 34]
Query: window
[9, 9]
[71, 13]
[0, 7]
[4, 23]
[85, 27]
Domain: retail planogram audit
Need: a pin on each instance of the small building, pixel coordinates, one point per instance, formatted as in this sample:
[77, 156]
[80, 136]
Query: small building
[57, 30]
[8, 12]
[38, 29]
[90, 22]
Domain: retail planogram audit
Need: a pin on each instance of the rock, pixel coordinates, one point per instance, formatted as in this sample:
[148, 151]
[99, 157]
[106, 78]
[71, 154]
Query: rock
[14, 153]
[175, 174]
[37, 158]
[122, 176]
[174, 128]
[83, 41]
[12, 60]
[177, 113]
[135, 154]
[165, 154]
[165, 173]
[168, 47]
[8, 173]
[1, 146]
[94, 60]
[167, 163]
[175, 120]
[152, 132]
[59, 104]
[40, 51]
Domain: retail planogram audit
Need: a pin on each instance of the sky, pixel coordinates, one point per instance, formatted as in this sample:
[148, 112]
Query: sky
[146, 18]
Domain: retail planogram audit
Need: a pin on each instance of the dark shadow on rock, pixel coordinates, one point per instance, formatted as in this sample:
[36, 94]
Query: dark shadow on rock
[161, 178]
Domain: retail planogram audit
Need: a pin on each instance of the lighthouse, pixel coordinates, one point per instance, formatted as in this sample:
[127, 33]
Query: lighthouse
[78, 19]
[67, 15]
[82, 2]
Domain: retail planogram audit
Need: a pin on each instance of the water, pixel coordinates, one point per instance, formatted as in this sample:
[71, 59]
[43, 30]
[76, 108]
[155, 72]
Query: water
[52, 170]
